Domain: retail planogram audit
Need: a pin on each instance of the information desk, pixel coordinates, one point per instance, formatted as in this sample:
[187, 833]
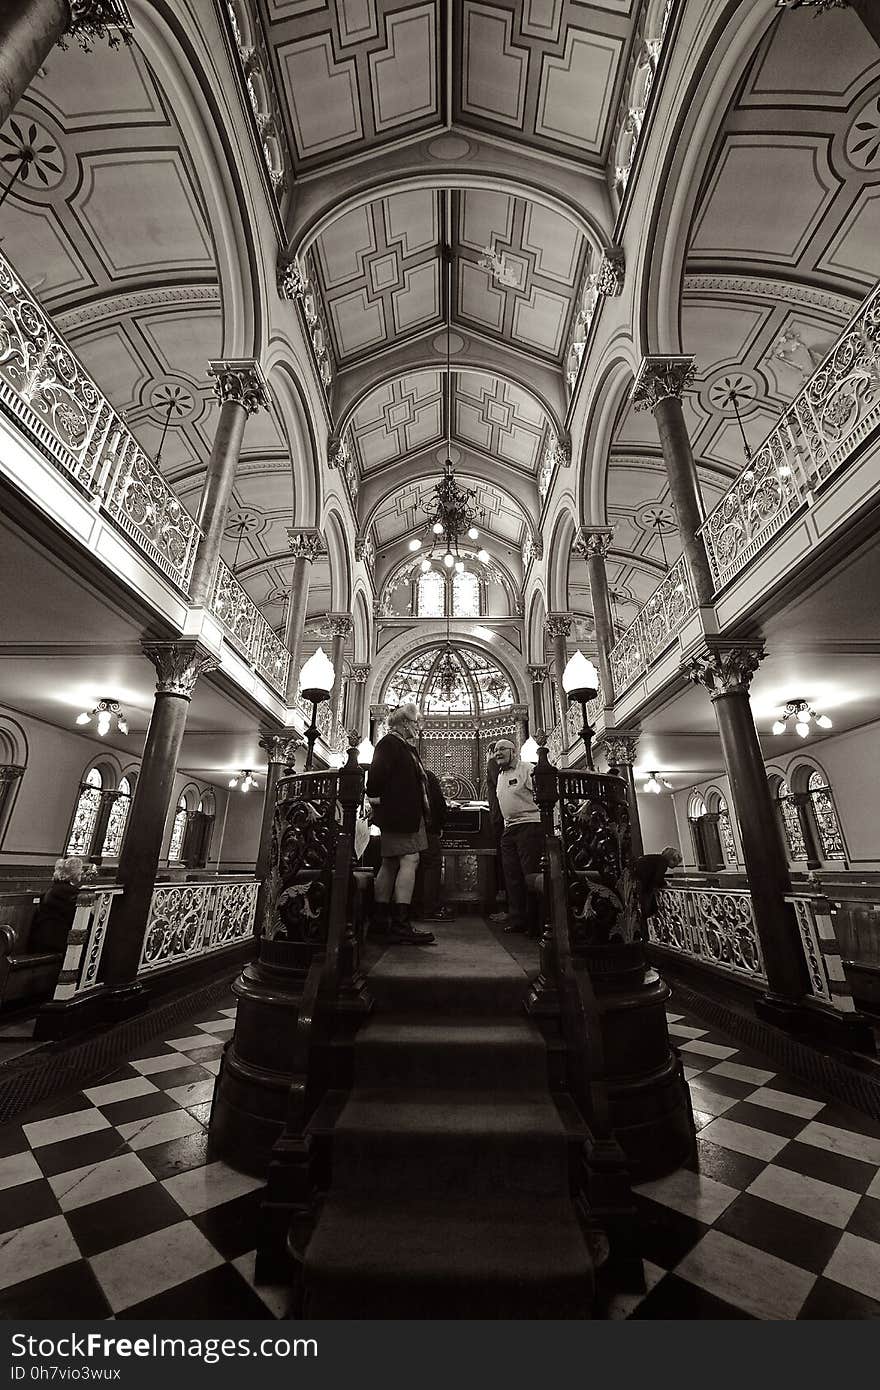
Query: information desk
[469, 856]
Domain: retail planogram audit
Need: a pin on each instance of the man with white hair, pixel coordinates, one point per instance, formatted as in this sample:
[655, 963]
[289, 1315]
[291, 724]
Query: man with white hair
[522, 843]
[400, 801]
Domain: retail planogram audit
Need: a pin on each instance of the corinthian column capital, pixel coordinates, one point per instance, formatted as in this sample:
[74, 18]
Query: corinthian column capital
[537, 674]
[279, 749]
[305, 543]
[593, 540]
[558, 624]
[360, 674]
[242, 382]
[725, 668]
[339, 624]
[620, 748]
[179, 665]
[98, 19]
[661, 377]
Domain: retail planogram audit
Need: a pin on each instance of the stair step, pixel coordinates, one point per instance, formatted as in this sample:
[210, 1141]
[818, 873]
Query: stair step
[464, 1052]
[413, 987]
[496, 1258]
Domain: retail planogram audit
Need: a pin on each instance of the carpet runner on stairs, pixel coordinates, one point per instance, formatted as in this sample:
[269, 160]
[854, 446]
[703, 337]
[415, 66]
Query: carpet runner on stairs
[452, 1163]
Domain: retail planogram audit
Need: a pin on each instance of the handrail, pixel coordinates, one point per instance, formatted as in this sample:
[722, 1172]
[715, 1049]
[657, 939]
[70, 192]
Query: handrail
[655, 625]
[52, 398]
[830, 417]
[195, 919]
[715, 926]
[247, 629]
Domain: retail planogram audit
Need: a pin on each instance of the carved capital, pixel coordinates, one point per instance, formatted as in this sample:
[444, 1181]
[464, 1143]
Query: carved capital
[10, 772]
[242, 382]
[593, 540]
[360, 674]
[661, 377]
[725, 668]
[533, 547]
[338, 451]
[339, 625]
[365, 548]
[179, 665]
[619, 748]
[98, 19]
[558, 624]
[537, 674]
[305, 544]
[293, 283]
[610, 275]
[280, 749]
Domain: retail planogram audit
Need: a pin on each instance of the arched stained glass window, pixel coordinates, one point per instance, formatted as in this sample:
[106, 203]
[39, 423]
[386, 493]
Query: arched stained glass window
[827, 824]
[465, 595]
[178, 830]
[117, 819]
[726, 831]
[791, 825]
[431, 601]
[86, 814]
[450, 680]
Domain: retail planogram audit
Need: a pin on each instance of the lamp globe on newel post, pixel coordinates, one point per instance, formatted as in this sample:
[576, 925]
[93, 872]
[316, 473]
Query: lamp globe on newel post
[580, 681]
[316, 681]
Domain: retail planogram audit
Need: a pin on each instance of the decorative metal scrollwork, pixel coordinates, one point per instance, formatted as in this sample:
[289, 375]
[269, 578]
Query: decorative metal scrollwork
[602, 892]
[713, 925]
[304, 835]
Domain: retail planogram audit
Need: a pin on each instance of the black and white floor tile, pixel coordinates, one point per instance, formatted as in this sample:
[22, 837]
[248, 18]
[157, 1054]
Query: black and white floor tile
[109, 1205]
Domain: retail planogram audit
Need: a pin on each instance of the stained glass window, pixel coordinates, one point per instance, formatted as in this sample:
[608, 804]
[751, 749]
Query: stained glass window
[432, 595]
[175, 849]
[117, 819]
[827, 823]
[465, 595]
[726, 832]
[454, 680]
[86, 814]
[790, 822]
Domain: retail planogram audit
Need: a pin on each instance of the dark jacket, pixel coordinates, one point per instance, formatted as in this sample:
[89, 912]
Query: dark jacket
[492, 771]
[650, 874]
[397, 777]
[51, 923]
[436, 804]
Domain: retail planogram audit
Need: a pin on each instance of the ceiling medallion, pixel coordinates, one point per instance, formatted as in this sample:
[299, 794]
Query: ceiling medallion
[453, 342]
[449, 147]
[863, 138]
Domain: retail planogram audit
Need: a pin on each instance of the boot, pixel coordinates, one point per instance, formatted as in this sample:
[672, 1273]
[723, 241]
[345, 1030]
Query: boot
[403, 930]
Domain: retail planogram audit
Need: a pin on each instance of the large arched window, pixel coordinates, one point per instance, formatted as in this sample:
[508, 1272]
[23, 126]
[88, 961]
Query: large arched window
[117, 820]
[178, 831]
[85, 817]
[432, 595]
[451, 680]
[13, 757]
[719, 814]
[465, 595]
[439, 594]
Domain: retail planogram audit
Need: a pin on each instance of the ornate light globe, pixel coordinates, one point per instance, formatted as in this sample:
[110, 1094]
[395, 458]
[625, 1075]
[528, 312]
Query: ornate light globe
[317, 676]
[529, 751]
[580, 678]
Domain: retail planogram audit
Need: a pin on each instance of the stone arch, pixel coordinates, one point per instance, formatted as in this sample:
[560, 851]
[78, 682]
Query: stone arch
[333, 527]
[431, 634]
[614, 383]
[559, 557]
[362, 639]
[13, 742]
[535, 627]
[302, 441]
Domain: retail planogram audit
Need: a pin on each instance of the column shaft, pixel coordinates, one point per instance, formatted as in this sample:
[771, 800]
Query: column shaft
[142, 846]
[538, 705]
[684, 486]
[598, 577]
[214, 505]
[763, 852]
[297, 609]
[29, 29]
[337, 649]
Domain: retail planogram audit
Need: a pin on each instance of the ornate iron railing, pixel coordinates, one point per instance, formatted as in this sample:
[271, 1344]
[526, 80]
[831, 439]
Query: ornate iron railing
[195, 919]
[831, 416]
[81, 968]
[655, 626]
[566, 733]
[715, 926]
[247, 629]
[56, 403]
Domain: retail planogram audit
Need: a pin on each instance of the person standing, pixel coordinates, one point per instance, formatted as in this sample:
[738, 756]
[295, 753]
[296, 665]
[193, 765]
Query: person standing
[428, 878]
[522, 844]
[398, 792]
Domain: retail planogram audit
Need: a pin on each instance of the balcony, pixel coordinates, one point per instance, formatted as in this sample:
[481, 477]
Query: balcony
[564, 743]
[655, 627]
[112, 487]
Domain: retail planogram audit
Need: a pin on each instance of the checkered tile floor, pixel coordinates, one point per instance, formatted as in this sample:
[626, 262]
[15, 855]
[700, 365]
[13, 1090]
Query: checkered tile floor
[108, 1205]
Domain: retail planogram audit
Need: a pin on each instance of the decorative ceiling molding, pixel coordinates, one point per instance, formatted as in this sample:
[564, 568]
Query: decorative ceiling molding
[761, 287]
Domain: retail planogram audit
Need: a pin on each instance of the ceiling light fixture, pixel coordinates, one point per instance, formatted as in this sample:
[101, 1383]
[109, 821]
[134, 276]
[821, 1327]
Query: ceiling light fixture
[244, 781]
[502, 273]
[105, 711]
[657, 784]
[802, 713]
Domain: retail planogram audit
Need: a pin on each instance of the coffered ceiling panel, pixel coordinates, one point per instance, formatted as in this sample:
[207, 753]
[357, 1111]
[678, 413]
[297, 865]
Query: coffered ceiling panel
[354, 75]
[398, 418]
[548, 70]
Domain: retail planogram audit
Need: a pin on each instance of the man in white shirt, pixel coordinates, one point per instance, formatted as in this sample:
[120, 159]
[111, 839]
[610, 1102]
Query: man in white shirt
[522, 843]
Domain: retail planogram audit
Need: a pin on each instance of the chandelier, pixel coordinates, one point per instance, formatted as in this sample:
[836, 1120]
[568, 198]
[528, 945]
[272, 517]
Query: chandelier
[448, 677]
[802, 713]
[452, 510]
[656, 783]
[247, 780]
[105, 711]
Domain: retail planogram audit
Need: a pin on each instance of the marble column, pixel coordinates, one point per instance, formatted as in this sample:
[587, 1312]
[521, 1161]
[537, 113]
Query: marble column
[537, 676]
[178, 667]
[619, 747]
[240, 388]
[341, 626]
[726, 669]
[594, 543]
[659, 387]
[558, 627]
[305, 547]
[355, 714]
[30, 29]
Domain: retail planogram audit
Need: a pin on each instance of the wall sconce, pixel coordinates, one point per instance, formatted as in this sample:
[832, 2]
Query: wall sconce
[105, 711]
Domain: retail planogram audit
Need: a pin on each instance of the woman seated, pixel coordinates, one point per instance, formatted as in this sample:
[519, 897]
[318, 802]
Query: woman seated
[53, 919]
